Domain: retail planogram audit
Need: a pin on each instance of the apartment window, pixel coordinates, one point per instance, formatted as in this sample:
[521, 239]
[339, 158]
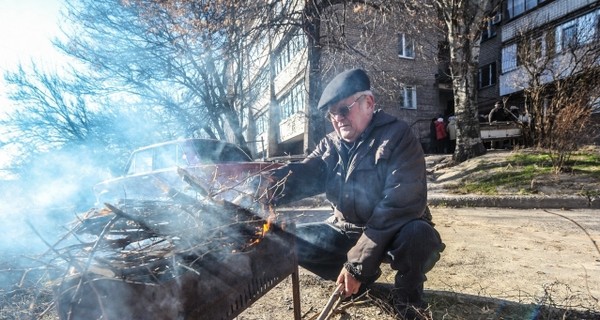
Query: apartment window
[550, 43]
[408, 97]
[595, 106]
[292, 102]
[261, 123]
[515, 7]
[509, 58]
[537, 48]
[568, 38]
[530, 4]
[489, 31]
[487, 75]
[289, 50]
[406, 46]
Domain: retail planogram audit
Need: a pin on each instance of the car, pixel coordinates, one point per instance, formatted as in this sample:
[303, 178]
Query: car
[217, 168]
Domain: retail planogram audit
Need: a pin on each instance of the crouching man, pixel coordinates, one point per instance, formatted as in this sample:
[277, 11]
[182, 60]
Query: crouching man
[372, 170]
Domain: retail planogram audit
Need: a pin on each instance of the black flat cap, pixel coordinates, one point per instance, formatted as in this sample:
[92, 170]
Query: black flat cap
[344, 85]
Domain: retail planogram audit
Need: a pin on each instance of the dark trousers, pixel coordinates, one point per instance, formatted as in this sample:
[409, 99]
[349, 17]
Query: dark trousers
[322, 248]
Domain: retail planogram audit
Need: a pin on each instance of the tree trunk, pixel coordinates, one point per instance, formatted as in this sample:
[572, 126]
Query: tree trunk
[314, 128]
[464, 22]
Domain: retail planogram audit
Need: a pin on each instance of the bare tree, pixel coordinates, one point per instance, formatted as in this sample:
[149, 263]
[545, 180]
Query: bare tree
[63, 111]
[140, 49]
[558, 74]
[342, 31]
[51, 111]
[465, 21]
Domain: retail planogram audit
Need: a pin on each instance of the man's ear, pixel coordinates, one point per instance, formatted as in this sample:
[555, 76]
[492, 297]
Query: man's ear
[370, 102]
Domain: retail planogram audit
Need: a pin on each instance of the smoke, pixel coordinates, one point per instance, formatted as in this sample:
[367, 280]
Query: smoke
[37, 208]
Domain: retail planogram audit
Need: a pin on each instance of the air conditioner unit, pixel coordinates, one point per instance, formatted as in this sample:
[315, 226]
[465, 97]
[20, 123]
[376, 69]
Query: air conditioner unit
[497, 18]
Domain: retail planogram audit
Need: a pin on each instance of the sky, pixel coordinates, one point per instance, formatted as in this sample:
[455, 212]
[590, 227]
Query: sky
[26, 31]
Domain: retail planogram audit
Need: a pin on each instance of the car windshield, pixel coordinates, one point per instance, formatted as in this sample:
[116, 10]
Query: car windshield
[210, 151]
[189, 153]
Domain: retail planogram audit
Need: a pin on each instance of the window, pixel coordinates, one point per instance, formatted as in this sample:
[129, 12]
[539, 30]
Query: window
[408, 97]
[261, 123]
[487, 75]
[489, 31]
[530, 4]
[289, 50]
[517, 7]
[406, 46]
[569, 37]
[509, 58]
[550, 43]
[595, 106]
[292, 102]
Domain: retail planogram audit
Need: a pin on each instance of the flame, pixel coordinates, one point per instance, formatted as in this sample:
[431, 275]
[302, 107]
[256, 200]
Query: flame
[266, 228]
[262, 232]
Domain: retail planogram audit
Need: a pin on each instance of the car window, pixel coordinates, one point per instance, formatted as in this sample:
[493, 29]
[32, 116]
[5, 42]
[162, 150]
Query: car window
[187, 154]
[233, 154]
[167, 156]
[211, 151]
[141, 161]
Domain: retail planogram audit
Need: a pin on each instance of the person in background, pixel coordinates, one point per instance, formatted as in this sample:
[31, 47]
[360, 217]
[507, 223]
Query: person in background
[372, 170]
[497, 113]
[524, 117]
[441, 135]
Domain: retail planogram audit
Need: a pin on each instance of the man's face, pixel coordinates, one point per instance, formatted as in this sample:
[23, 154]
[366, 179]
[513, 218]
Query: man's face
[351, 116]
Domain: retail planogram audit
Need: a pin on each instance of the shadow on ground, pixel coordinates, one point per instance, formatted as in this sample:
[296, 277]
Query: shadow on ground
[449, 305]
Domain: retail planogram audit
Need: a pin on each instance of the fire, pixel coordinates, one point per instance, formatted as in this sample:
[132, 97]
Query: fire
[262, 232]
[266, 228]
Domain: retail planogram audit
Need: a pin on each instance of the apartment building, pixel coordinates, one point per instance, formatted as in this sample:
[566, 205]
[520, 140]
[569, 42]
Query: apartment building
[401, 59]
[539, 28]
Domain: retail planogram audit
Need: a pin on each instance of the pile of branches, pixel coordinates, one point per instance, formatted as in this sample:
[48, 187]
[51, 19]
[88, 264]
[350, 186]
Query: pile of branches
[155, 240]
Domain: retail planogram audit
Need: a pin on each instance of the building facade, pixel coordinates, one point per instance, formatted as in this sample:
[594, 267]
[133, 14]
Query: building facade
[531, 35]
[401, 56]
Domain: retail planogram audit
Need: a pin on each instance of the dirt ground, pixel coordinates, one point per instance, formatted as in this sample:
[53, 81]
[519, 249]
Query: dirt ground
[498, 263]
[494, 258]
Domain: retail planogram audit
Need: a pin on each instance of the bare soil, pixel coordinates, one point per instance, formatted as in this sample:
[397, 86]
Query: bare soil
[498, 264]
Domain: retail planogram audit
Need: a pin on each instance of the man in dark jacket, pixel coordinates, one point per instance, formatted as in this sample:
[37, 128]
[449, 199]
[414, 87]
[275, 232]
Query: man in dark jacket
[372, 170]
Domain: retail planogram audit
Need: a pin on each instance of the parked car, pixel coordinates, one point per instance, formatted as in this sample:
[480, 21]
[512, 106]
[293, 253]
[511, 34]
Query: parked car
[221, 167]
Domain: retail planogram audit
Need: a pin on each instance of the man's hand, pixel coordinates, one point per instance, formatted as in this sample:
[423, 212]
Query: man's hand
[349, 284]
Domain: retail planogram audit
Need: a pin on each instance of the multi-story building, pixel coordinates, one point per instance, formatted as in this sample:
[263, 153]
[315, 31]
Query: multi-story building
[400, 57]
[541, 29]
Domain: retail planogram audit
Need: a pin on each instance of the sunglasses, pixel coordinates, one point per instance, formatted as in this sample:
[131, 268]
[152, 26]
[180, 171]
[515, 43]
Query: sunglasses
[342, 111]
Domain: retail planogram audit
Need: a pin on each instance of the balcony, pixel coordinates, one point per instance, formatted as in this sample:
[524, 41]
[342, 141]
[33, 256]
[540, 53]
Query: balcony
[541, 16]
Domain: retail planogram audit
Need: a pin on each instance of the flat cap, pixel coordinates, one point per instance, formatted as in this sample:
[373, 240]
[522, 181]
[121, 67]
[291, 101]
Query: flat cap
[344, 85]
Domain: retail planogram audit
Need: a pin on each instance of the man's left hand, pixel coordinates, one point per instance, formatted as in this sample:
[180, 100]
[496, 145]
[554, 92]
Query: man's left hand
[349, 284]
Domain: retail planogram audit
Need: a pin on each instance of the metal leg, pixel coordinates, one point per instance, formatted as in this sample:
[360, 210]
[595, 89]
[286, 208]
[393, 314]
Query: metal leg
[296, 294]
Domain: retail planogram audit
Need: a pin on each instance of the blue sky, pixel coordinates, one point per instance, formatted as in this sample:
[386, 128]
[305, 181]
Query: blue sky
[26, 30]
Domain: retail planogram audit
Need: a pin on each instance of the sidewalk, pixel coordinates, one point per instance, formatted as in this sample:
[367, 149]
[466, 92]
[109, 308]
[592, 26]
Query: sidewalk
[514, 201]
[473, 200]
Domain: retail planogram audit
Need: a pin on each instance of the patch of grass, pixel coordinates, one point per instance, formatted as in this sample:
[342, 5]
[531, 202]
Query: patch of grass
[515, 177]
[525, 167]
[588, 163]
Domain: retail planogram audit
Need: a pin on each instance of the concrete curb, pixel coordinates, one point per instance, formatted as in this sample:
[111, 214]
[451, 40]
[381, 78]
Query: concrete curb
[504, 201]
[516, 202]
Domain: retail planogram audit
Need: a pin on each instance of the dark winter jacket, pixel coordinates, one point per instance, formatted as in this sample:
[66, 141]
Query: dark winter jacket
[380, 187]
